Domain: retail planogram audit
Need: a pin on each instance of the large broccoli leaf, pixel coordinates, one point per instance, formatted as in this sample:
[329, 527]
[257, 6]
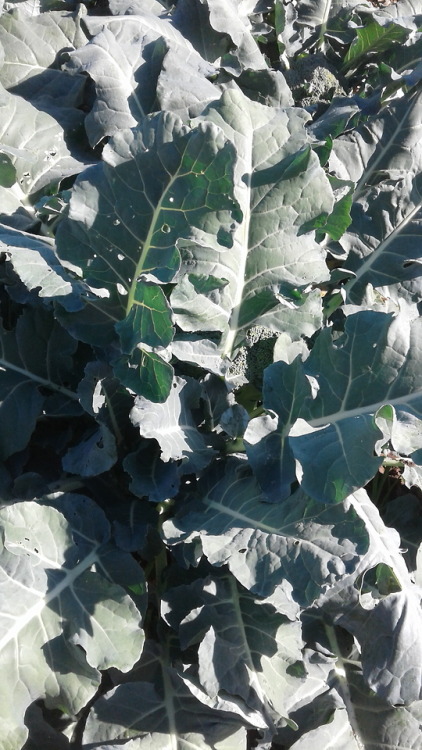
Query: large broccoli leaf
[309, 545]
[160, 183]
[384, 157]
[247, 649]
[157, 709]
[29, 373]
[63, 617]
[332, 414]
[32, 49]
[124, 59]
[279, 186]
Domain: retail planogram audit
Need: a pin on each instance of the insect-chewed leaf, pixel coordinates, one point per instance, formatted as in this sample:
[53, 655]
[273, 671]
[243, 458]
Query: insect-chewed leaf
[279, 185]
[159, 183]
[61, 622]
[148, 321]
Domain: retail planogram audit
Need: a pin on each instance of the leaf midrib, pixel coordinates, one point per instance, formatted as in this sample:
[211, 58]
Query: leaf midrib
[367, 174]
[359, 411]
[4, 364]
[36, 609]
[241, 239]
[383, 245]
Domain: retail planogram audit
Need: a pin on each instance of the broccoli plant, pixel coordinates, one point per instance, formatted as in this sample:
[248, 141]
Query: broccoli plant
[210, 375]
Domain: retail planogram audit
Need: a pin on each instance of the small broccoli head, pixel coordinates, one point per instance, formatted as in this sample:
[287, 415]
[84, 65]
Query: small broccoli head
[251, 360]
[313, 80]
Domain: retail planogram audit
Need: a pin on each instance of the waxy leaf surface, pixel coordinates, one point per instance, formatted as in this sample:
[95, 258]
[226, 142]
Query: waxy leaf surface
[279, 186]
[54, 605]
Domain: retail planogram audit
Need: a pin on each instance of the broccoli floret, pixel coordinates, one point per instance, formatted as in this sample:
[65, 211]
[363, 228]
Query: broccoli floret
[313, 80]
[251, 360]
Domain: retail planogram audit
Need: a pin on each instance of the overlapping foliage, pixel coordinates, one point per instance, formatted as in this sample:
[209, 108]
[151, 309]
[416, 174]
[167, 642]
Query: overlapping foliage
[211, 357]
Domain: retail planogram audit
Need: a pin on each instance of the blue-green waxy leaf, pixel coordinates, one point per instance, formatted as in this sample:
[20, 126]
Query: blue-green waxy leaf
[20, 397]
[246, 647]
[151, 477]
[376, 362]
[94, 455]
[39, 151]
[279, 185]
[200, 351]
[61, 621]
[124, 57]
[266, 438]
[381, 608]
[345, 450]
[37, 354]
[43, 102]
[30, 45]
[159, 184]
[35, 261]
[225, 34]
[173, 425]
[331, 408]
[146, 374]
[159, 710]
[270, 456]
[313, 20]
[234, 420]
[300, 541]
[148, 321]
[384, 157]
[186, 281]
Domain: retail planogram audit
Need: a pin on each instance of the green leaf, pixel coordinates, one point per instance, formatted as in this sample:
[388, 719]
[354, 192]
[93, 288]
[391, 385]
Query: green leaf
[148, 321]
[309, 545]
[159, 709]
[173, 425]
[7, 171]
[246, 648]
[279, 185]
[61, 622]
[371, 39]
[383, 241]
[146, 374]
[339, 220]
